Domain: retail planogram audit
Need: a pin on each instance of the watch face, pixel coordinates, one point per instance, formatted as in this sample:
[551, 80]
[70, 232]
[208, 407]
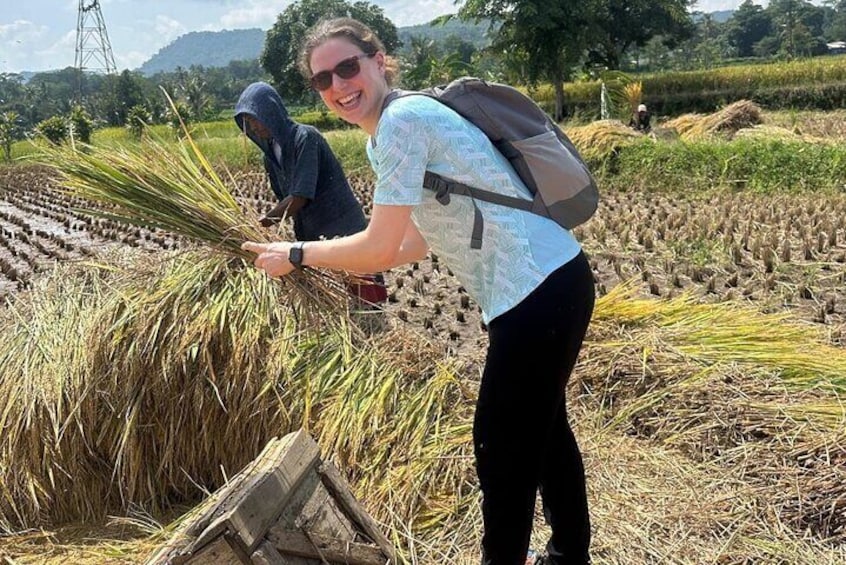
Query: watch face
[295, 256]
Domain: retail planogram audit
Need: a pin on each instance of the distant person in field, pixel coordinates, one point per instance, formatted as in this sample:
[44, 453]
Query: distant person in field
[305, 176]
[640, 119]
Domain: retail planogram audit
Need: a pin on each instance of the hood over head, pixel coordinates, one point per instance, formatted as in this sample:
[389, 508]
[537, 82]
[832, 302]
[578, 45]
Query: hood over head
[262, 102]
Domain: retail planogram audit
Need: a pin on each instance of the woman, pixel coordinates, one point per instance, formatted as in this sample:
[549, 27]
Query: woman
[530, 278]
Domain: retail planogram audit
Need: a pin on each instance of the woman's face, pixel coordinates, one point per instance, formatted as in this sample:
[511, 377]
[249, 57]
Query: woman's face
[357, 99]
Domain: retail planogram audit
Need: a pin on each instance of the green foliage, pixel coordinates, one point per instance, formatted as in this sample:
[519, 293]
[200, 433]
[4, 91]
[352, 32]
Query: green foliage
[284, 39]
[809, 84]
[758, 165]
[9, 132]
[55, 129]
[632, 23]
[443, 33]
[349, 147]
[177, 115]
[81, 124]
[322, 120]
[137, 120]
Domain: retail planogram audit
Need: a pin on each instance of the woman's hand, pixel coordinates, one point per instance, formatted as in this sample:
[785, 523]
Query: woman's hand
[272, 258]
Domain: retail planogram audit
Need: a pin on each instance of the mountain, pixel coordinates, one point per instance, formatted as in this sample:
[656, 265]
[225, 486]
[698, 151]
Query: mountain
[218, 48]
[722, 15]
[475, 34]
[207, 49]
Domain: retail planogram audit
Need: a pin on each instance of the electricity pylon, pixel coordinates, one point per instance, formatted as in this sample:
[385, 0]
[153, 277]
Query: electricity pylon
[93, 49]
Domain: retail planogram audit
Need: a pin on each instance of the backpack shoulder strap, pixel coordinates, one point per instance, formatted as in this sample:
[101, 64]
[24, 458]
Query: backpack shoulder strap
[393, 95]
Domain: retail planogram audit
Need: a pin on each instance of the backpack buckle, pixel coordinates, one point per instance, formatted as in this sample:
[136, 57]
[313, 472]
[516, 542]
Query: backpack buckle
[441, 188]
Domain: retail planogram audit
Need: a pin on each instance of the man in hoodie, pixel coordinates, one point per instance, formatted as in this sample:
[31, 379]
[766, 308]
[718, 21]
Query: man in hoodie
[305, 176]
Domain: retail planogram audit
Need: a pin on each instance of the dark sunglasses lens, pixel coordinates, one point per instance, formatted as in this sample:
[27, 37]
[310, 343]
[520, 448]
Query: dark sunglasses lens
[347, 68]
[322, 80]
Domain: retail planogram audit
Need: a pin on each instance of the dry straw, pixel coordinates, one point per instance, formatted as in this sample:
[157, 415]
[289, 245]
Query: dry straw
[724, 123]
[598, 140]
[132, 387]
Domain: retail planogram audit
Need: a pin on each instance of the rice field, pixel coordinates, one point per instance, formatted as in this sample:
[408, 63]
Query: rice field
[708, 399]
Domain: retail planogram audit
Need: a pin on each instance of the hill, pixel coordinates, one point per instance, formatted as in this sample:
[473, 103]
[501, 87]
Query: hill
[218, 48]
[207, 49]
[475, 34]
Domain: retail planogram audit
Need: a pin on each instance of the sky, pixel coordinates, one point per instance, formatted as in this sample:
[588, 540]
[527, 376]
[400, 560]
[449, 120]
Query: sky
[40, 35]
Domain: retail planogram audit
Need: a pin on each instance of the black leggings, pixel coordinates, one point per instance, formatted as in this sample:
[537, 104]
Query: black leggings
[521, 435]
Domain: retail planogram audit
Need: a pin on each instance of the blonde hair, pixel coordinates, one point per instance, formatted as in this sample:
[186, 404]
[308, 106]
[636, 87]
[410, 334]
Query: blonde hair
[353, 31]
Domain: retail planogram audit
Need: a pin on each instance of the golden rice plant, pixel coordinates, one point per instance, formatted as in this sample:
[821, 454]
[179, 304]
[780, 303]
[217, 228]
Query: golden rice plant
[684, 123]
[136, 387]
[148, 383]
[633, 94]
[598, 140]
[157, 185]
[723, 123]
[730, 333]
[770, 132]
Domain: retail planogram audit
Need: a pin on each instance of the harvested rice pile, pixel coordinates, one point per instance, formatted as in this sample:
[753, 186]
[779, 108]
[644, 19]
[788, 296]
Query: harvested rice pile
[724, 123]
[598, 140]
[770, 132]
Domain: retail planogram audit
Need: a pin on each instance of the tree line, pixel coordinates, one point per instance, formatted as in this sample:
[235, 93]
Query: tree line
[529, 42]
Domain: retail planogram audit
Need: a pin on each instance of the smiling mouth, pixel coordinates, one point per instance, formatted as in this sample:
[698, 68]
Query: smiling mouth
[350, 100]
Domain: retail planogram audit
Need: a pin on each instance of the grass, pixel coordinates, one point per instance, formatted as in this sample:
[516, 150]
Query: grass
[762, 166]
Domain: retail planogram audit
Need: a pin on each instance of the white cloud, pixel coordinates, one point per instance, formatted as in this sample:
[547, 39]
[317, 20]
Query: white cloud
[131, 59]
[20, 31]
[404, 13]
[261, 14]
[19, 43]
[168, 28]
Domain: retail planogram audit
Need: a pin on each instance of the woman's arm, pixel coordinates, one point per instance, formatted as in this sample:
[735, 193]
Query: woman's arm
[390, 239]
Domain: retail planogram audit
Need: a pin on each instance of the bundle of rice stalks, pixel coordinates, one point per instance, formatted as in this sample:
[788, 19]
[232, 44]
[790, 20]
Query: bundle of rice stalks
[633, 94]
[143, 388]
[728, 385]
[599, 140]
[157, 185]
[768, 132]
[731, 333]
[725, 123]
[684, 123]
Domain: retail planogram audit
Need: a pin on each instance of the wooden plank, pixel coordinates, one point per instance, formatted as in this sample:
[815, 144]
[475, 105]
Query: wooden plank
[212, 517]
[218, 552]
[342, 494]
[198, 519]
[259, 507]
[333, 551]
[315, 509]
[266, 554]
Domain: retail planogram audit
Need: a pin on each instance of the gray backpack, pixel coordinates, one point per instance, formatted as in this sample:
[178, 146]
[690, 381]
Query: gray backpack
[541, 154]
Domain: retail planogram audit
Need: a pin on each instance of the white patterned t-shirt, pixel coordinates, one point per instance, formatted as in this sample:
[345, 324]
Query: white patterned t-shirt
[519, 249]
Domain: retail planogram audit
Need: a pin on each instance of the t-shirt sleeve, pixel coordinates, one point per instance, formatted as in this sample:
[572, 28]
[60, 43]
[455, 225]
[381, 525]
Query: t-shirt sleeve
[399, 158]
[304, 175]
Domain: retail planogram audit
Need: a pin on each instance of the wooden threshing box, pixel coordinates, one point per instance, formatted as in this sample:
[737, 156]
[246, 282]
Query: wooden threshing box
[287, 507]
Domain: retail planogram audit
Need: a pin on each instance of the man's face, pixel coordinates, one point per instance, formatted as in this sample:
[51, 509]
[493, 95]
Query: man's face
[256, 128]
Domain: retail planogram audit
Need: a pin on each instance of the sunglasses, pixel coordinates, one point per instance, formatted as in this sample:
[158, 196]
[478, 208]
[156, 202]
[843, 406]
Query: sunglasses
[346, 69]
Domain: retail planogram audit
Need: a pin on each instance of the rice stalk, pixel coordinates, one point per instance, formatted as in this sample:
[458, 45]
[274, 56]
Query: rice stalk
[730, 333]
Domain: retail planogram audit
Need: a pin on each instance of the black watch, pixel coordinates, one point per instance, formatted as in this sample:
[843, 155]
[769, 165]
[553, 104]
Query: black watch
[295, 255]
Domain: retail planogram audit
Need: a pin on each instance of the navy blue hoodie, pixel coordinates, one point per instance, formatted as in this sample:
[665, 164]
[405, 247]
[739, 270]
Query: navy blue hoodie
[307, 168]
